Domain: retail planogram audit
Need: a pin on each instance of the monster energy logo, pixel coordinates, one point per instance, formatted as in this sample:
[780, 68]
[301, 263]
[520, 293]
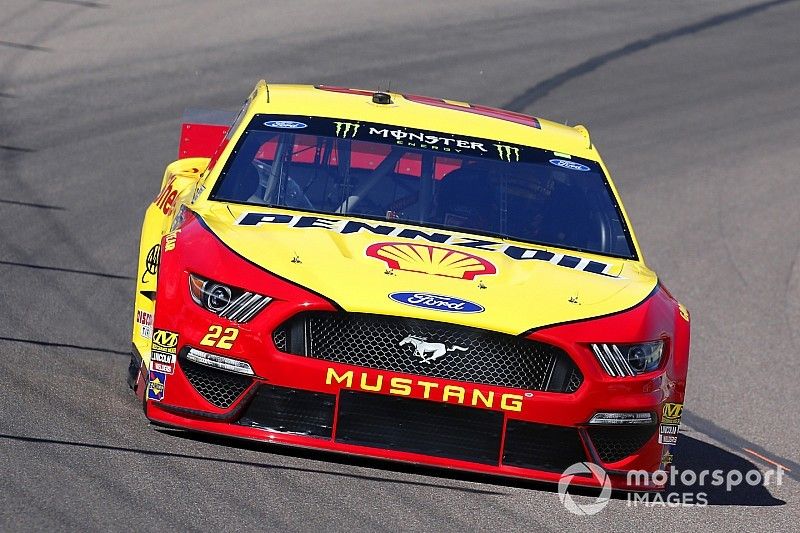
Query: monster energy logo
[505, 152]
[346, 129]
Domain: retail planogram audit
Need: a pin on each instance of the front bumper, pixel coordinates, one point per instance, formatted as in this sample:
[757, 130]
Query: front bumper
[304, 401]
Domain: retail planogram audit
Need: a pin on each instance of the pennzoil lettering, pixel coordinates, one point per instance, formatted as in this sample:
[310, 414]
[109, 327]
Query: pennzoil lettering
[476, 243]
[519, 253]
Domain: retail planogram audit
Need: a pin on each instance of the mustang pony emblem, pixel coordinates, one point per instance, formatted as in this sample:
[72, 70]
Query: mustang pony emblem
[429, 351]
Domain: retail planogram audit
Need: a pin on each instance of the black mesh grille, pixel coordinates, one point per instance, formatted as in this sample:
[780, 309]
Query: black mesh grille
[614, 443]
[291, 410]
[541, 446]
[279, 338]
[374, 341]
[419, 426]
[218, 387]
[575, 380]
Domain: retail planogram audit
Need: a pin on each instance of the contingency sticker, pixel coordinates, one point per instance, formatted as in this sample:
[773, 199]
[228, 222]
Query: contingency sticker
[670, 420]
[667, 434]
[671, 413]
[157, 385]
[165, 341]
[162, 362]
[145, 322]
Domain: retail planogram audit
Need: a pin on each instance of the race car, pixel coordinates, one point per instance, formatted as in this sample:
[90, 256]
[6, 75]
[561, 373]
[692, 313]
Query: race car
[406, 278]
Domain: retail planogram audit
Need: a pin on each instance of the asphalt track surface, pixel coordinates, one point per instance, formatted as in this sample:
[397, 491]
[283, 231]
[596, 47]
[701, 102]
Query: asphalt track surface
[694, 106]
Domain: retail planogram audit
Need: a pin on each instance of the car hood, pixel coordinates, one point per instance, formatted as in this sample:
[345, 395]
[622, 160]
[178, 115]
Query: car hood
[445, 276]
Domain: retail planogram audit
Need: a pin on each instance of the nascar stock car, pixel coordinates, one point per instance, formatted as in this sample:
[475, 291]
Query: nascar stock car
[405, 278]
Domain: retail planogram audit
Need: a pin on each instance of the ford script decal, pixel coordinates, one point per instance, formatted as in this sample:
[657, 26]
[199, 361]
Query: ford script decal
[436, 302]
[571, 165]
[286, 124]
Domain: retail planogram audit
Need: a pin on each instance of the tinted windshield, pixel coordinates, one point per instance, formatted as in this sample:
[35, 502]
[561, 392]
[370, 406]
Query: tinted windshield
[421, 177]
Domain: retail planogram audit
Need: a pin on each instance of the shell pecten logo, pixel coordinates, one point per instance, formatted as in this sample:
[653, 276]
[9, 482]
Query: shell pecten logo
[433, 260]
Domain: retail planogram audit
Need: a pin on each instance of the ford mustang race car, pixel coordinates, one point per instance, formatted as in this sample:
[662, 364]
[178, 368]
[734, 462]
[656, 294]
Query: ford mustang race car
[406, 278]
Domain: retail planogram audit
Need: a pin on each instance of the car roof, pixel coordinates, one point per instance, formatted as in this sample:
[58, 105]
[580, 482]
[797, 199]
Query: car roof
[423, 113]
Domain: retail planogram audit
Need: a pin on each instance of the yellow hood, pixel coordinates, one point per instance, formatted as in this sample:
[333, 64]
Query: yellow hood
[359, 270]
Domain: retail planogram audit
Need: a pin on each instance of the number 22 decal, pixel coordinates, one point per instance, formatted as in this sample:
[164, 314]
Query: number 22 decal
[215, 337]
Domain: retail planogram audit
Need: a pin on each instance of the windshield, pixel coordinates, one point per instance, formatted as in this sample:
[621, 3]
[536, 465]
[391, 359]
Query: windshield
[428, 178]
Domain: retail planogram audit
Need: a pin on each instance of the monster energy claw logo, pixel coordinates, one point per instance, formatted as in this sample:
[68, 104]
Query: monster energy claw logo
[346, 129]
[506, 152]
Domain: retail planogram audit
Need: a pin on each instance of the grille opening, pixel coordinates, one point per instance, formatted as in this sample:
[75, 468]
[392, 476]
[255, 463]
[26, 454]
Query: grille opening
[218, 387]
[474, 355]
[419, 426]
[291, 411]
[541, 446]
[614, 443]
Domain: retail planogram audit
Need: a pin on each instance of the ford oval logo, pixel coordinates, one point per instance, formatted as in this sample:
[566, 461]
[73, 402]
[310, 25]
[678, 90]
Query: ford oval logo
[571, 165]
[436, 302]
[285, 124]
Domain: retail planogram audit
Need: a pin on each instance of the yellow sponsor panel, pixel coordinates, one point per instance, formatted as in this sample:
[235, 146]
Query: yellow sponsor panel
[347, 260]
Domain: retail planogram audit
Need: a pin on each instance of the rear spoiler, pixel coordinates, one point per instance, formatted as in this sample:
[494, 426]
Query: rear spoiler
[202, 131]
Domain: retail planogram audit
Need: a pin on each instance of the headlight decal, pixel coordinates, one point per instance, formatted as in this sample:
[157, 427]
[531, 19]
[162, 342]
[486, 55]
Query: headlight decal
[245, 307]
[234, 304]
[626, 360]
[612, 360]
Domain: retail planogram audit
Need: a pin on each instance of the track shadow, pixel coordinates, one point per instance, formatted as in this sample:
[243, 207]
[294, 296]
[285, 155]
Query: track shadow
[699, 456]
[64, 345]
[545, 87]
[31, 204]
[68, 270]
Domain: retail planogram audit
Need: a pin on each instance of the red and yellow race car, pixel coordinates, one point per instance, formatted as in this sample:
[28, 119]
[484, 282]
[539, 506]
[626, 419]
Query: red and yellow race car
[407, 278]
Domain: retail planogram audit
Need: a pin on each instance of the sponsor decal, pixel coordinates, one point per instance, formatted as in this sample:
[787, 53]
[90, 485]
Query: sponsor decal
[427, 140]
[346, 227]
[170, 239]
[165, 341]
[162, 367]
[286, 124]
[427, 259]
[436, 302]
[197, 192]
[667, 439]
[671, 413]
[156, 385]
[428, 390]
[165, 200]
[667, 458]
[162, 362]
[179, 218]
[429, 351]
[507, 152]
[145, 322]
[684, 312]
[151, 262]
[668, 429]
[570, 165]
[346, 129]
